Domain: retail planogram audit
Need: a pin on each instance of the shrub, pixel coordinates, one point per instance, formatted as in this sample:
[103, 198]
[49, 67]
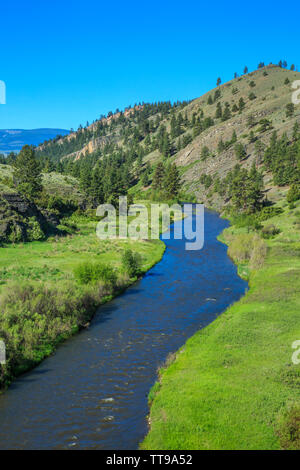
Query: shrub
[86, 273]
[34, 231]
[248, 247]
[288, 429]
[269, 231]
[258, 254]
[241, 247]
[293, 193]
[268, 212]
[246, 220]
[131, 263]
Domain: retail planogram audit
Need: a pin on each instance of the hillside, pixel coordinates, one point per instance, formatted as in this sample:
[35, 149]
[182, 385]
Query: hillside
[12, 140]
[200, 136]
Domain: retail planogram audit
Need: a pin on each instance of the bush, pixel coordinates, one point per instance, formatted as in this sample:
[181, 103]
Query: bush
[86, 273]
[293, 193]
[268, 212]
[131, 263]
[269, 231]
[34, 231]
[248, 247]
[246, 220]
[288, 429]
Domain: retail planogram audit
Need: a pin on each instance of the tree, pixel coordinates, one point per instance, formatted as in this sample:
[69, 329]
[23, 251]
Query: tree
[240, 151]
[131, 263]
[27, 173]
[226, 113]
[296, 131]
[293, 193]
[210, 100]
[219, 81]
[252, 137]
[290, 110]
[218, 111]
[204, 153]
[293, 67]
[259, 149]
[158, 177]
[245, 70]
[172, 181]
[241, 104]
[250, 120]
[166, 146]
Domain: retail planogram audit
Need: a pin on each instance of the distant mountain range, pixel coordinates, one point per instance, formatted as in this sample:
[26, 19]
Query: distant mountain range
[12, 140]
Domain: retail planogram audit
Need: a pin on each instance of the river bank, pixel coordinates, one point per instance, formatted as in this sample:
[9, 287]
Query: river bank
[43, 304]
[92, 393]
[233, 385]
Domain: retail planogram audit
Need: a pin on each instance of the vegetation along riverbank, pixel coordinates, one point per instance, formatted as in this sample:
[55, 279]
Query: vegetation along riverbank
[235, 149]
[233, 385]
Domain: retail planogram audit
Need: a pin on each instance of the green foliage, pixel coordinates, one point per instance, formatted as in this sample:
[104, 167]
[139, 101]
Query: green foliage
[27, 173]
[240, 151]
[88, 272]
[131, 263]
[270, 231]
[293, 193]
[34, 231]
[268, 212]
[288, 428]
[282, 157]
[290, 110]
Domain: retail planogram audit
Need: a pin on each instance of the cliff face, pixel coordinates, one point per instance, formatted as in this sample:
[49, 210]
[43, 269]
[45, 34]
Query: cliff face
[21, 220]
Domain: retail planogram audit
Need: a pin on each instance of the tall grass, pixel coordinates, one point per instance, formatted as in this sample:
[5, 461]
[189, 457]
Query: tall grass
[35, 318]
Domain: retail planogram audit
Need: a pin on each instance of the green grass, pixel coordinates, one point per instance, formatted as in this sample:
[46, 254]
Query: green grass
[233, 384]
[42, 302]
[55, 258]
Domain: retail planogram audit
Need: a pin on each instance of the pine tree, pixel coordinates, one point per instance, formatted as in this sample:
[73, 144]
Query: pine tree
[245, 70]
[226, 114]
[241, 104]
[290, 110]
[27, 173]
[240, 151]
[158, 177]
[219, 81]
[172, 181]
[218, 111]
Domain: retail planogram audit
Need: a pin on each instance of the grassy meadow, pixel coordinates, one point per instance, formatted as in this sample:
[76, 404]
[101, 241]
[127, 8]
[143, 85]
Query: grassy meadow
[41, 299]
[233, 385]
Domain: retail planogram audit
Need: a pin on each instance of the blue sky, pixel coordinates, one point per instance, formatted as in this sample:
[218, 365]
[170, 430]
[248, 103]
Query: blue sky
[68, 62]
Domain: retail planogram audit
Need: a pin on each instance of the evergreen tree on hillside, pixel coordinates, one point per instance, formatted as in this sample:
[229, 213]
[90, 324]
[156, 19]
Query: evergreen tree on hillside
[27, 173]
[219, 111]
[96, 188]
[158, 177]
[219, 81]
[226, 113]
[172, 181]
[240, 151]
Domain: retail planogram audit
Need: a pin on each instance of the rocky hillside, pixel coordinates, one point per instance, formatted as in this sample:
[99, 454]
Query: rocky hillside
[206, 137]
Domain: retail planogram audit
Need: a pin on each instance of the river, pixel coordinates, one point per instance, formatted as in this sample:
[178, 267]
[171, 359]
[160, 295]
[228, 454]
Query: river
[92, 393]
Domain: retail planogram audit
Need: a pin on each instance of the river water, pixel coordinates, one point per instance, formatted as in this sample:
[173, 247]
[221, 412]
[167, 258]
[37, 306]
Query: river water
[92, 393]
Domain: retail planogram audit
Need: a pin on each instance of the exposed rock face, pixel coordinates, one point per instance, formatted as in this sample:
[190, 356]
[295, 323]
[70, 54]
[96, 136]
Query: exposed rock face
[22, 220]
[20, 204]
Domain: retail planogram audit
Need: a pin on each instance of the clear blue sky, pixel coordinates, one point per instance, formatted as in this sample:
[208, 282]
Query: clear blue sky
[68, 62]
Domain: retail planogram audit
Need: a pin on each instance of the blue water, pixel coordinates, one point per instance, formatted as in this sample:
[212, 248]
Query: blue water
[92, 394]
